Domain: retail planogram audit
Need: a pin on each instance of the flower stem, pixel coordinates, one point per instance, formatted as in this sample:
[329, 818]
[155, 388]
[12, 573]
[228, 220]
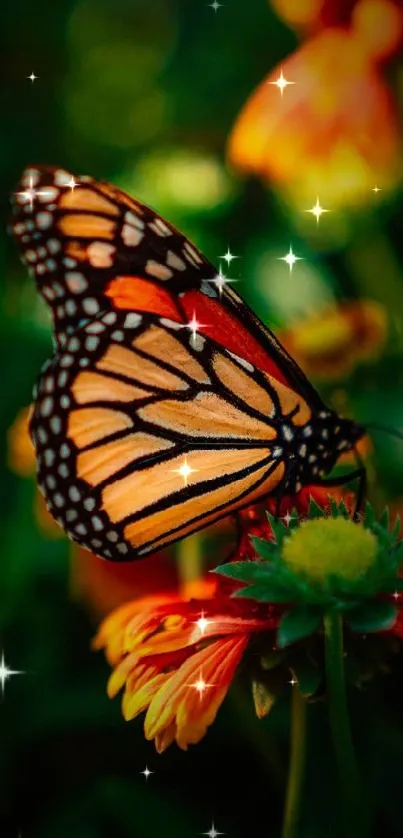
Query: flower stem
[292, 810]
[356, 813]
[189, 563]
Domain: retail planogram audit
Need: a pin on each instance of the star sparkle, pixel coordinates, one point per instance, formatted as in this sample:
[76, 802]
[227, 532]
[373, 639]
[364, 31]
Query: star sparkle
[194, 327]
[146, 772]
[72, 184]
[396, 595]
[200, 685]
[32, 77]
[29, 195]
[293, 682]
[202, 623]
[290, 258]
[220, 280]
[184, 471]
[229, 257]
[287, 518]
[215, 6]
[376, 189]
[317, 210]
[281, 82]
[212, 833]
[6, 673]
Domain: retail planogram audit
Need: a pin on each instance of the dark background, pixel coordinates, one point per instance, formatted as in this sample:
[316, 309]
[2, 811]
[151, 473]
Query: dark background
[145, 93]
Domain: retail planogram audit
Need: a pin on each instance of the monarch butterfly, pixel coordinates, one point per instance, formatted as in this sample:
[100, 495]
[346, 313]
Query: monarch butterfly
[167, 403]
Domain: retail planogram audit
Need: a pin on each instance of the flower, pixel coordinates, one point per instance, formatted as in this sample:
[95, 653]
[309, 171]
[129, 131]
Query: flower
[329, 344]
[377, 21]
[332, 133]
[176, 657]
[326, 562]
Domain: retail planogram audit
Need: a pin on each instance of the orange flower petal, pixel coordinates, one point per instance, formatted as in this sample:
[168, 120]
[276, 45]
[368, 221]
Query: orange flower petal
[120, 674]
[195, 715]
[164, 739]
[134, 703]
[165, 705]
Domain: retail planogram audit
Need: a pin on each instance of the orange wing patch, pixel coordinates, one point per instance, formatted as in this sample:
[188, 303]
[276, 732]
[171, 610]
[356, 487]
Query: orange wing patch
[138, 491]
[243, 385]
[289, 401]
[87, 425]
[92, 387]
[152, 529]
[88, 226]
[136, 294]
[207, 415]
[87, 199]
[95, 466]
[164, 347]
[123, 361]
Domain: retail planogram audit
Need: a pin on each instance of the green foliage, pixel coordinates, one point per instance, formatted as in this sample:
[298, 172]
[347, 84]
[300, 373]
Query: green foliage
[375, 615]
[298, 623]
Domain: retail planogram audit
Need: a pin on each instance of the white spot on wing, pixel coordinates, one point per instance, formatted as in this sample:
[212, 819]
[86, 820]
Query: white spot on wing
[158, 270]
[131, 236]
[100, 254]
[44, 220]
[241, 361]
[132, 320]
[175, 261]
[76, 282]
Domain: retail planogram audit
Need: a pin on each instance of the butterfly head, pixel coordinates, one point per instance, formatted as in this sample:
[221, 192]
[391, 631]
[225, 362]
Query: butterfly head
[315, 448]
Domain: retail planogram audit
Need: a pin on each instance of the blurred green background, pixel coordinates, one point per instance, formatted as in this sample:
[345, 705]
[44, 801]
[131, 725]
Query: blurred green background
[145, 93]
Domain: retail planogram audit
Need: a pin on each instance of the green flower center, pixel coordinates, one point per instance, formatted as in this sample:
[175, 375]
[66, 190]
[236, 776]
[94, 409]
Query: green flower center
[325, 547]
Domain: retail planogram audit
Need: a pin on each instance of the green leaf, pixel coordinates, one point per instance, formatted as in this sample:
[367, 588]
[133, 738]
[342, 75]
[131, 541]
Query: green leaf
[315, 511]
[300, 622]
[369, 518]
[392, 586]
[398, 553]
[245, 571]
[334, 507]
[263, 698]
[279, 529]
[265, 549]
[343, 511]
[375, 615]
[265, 592]
[308, 675]
[272, 659]
[396, 528]
[384, 519]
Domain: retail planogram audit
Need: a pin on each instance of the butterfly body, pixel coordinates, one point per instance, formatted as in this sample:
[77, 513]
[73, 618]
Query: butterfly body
[167, 404]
